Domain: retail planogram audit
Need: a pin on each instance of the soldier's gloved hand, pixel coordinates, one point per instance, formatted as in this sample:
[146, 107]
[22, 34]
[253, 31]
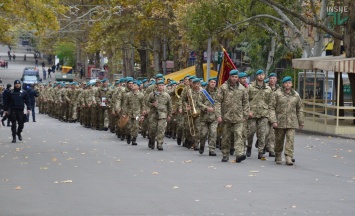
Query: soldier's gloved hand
[155, 103]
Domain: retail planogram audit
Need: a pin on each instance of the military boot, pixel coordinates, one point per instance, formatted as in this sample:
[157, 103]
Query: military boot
[134, 141]
[261, 156]
[289, 161]
[225, 158]
[271, 154]
[240, 158]
[231, 151]
[160, 146]
[144, 134]
[13, 138]
[168, 135]
[202, 149]
[129, 139]
[178, 141]
[248, 151]
[151, 144]
[122, 137]
[278, 158]
[173, 136]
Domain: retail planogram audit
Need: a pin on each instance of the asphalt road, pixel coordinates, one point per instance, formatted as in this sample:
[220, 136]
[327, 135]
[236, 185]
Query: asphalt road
[65, 169]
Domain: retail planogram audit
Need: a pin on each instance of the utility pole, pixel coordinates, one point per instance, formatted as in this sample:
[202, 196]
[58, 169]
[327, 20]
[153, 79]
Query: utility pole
[209, 58]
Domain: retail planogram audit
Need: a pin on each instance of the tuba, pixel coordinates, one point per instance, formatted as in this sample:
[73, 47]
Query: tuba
[178, 90]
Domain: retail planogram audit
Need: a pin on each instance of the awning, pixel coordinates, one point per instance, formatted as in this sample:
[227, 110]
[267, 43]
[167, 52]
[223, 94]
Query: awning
[326, 63]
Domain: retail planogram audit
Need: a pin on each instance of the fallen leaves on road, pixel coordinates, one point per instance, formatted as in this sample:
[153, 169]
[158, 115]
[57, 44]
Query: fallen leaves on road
[118, 160]
[5, 180]
[228, 186]
[64, 181]
[337, 156]
[254, 171]
[70, 158]
[17, 188]
[43, 168]
[188, 161]
[350, 151]
[293, 206]
[155, 173]
[175, 187]
[54, 159]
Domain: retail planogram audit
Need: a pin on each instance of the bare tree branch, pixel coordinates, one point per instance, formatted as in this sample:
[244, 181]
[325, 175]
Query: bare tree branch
[305, 20]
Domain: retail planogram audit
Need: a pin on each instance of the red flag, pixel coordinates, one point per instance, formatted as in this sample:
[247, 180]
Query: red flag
[226, 66]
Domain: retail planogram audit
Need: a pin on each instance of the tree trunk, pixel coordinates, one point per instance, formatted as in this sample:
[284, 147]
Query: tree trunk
[110, 65]
[157, 56]
[270, 60]
[97, 59]
[143, 57]
[319, 38]
[199, 63]
[349, 44]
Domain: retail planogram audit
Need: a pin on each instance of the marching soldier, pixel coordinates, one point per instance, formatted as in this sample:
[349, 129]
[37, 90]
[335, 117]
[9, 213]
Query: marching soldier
[208, 118]
[286, 114]
[160, 106]
[259, 101]
[270, 138]
[232, 111]
[133, 107]
[101, 96]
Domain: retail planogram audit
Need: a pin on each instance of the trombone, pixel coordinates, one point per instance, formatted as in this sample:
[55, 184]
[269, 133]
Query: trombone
[192, 113]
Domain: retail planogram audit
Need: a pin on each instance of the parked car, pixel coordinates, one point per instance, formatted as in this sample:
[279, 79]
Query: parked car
[30, 76]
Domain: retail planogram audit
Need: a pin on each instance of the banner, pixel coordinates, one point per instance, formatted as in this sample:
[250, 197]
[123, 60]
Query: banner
[226, 66]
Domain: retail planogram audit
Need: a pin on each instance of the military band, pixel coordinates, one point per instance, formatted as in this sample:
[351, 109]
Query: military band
[195, 113]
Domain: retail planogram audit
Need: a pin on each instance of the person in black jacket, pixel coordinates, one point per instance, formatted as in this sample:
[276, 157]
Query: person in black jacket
[4, 95]
[32, 94]
[14, 105]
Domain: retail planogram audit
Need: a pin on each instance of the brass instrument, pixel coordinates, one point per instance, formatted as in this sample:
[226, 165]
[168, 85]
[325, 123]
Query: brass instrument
[192, 113]
[178, 90]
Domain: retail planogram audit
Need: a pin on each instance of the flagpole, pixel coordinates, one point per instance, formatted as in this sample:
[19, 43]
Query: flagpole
[209, 58]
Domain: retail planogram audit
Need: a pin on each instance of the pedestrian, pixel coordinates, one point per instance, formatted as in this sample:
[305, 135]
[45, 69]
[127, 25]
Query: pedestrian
[81, 72]
[53, 68]
[15, 105]
[32, 94]
[44, 74]
[1, 102]
[10, 57]
[49, 72]
[232, 110]
[24, 57]
[14, 56]
[43, 64]
[4, 96]
[57, 66]
[286, 114]
[36, 62]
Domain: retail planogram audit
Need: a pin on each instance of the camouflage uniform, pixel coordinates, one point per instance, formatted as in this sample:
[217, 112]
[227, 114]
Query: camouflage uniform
[95, 109]
[287, 111]
[158, 117]
[259, 101]
[102, 92]
[209, 124]
[233, 106]
[270, 138]
[133, 107]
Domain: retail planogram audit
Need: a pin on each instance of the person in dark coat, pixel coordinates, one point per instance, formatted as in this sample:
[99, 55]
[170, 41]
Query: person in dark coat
[14, 105]
[4, 95]
[32, 94]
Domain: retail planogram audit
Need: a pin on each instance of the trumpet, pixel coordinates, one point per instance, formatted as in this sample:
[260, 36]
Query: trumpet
[192, 113]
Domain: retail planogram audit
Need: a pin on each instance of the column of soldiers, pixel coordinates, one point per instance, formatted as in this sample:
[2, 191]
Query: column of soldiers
[191, 111]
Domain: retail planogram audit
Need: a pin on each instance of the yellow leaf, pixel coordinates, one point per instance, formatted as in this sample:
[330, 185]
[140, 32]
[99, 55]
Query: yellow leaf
[54, 159]
[188, 161]
[175, 187]
[228, 186]
[66, 181]
[254, 171]
[155, 173]
[18, 188]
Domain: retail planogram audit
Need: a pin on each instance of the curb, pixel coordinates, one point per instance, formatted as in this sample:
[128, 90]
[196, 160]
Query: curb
[342, 136]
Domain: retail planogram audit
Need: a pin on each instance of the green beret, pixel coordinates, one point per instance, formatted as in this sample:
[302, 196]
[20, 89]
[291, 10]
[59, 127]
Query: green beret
[129, 79]
[187, 76]
[196, 80]
[272, 75]
[181, 80]
[242, 74]
[287, 79]
[122, 80]
[192, 77]
[203, 84]
[259, 72]
[212, 78]
[160, 82]
[117, 82]
[233, 72]
[104, 80]
[159, 76]
[266, 80]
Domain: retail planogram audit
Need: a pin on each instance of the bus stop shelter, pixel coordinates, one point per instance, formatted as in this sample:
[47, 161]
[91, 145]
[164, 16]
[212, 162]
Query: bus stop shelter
[321, 114]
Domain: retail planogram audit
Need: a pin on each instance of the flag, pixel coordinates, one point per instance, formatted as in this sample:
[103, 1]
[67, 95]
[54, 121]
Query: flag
[226, 66]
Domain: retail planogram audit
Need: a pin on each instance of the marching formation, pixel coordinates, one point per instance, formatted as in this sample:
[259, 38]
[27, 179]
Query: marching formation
[191, 111]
